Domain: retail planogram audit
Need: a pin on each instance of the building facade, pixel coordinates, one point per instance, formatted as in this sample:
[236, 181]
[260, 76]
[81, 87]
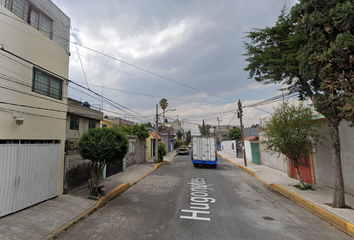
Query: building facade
[34, 60]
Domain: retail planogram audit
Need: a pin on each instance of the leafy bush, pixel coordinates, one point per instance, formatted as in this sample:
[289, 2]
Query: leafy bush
[102, 146]
[161, 152]
[178, 143]
[137, 129]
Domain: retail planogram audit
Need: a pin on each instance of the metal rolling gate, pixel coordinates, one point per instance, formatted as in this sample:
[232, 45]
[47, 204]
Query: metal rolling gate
[28, 175]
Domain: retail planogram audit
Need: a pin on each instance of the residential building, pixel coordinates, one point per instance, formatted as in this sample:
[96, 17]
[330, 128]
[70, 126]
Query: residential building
[222, 132]
[34, 61]
[150, 145]
[120, 121]
[80, 117]
[317, 167]
[174, 126]
[106, 123]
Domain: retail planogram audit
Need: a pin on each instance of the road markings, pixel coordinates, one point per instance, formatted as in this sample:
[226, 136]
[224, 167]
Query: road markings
[199, 200]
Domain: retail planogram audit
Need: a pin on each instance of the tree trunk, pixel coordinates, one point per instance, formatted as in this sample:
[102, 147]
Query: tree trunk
[338, 197]
[301, 183]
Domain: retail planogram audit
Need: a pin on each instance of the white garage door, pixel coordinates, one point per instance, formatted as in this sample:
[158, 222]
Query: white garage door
[28, 175]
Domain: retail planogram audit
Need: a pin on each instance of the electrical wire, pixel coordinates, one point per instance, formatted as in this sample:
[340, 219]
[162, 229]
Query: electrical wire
[82, 66]
[148, 95]
[60, 77]
[131, 65]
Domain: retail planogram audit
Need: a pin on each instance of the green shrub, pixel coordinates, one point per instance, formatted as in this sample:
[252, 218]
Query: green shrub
[102, 146]
[178, 143]
[162, 151]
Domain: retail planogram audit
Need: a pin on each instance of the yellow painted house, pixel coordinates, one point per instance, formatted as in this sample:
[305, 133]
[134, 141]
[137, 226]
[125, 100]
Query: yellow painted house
[150, 143]
[106, 123]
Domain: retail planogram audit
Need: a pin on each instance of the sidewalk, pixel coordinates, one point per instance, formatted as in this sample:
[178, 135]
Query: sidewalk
[314, 201]
[46, 219]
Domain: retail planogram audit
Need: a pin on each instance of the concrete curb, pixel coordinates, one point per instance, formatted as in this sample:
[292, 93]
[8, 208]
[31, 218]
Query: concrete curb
[337, 221]
[109, 196]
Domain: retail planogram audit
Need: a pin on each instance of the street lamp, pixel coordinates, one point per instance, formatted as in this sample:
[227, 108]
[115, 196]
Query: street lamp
[156, 159]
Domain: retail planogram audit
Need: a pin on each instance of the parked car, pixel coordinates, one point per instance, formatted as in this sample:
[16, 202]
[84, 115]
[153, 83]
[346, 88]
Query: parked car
[190, 146]
[182, 150]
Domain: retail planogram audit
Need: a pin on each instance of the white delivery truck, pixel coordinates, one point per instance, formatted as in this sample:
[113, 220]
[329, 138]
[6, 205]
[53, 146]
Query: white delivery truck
[204, 151]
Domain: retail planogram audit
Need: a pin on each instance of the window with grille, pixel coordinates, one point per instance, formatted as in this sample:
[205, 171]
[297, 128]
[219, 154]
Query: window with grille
[74, 123]
[46, 84]
[32, 15]
[92, 124]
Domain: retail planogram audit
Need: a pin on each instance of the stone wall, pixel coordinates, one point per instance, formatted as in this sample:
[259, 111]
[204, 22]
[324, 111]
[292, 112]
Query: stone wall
[136, 153]
[77, 171]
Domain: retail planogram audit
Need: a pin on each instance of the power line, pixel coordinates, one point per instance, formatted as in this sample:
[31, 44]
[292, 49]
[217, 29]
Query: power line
[82, 66]
[52, 73]
[131, 65]
[147, 95]
[130, 74]
[38, 115]
[13, 80]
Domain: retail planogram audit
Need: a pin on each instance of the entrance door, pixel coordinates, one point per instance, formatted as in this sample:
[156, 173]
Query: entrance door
[304, 168]
[152, 148]
[114, 169]
[255, 153]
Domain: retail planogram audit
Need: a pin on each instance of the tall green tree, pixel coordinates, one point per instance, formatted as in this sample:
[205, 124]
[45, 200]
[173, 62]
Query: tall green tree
[102, 146]
[291, 131]
[235, 134]
[311, 51]
[204, 129]
[163, 104]
[179, 134]
[148, 124]
[188, 137]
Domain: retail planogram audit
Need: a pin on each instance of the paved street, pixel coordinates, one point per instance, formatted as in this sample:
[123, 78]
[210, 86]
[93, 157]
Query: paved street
[178, 201]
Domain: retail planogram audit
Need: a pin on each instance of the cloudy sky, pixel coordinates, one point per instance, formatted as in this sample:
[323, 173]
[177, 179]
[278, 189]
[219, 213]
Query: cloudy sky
[189, 52]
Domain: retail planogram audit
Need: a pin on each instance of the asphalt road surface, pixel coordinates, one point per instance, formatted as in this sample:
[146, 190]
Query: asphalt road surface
[178, 201]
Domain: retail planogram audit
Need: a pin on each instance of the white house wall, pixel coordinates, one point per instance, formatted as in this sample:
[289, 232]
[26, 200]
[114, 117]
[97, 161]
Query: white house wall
[21, 39]
[226, 146]
[322, 159]
[275, 161]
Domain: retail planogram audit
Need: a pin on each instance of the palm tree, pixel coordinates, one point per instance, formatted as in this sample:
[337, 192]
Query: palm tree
[163, 104]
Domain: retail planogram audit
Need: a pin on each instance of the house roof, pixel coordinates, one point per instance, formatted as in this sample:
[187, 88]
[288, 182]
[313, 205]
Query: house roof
[254, 138]
[153, 135]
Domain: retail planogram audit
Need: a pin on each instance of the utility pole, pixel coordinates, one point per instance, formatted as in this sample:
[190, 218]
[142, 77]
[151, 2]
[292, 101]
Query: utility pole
[156, 160]
[219, 128]
[102, 97]
[243, 142]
